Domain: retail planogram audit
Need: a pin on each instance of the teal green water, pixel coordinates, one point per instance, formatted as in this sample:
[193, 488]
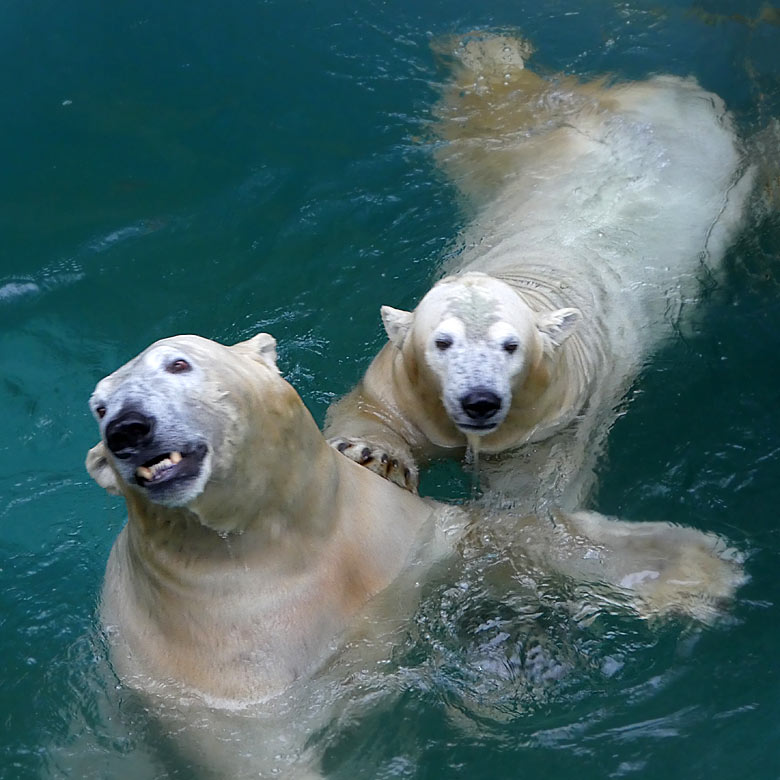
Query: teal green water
[223, 169]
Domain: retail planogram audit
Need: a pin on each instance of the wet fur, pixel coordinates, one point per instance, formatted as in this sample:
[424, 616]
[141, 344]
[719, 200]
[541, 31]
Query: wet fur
[255, 595]
[610, 199]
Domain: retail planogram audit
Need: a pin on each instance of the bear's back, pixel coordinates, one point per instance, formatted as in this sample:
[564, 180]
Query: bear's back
[632, 191]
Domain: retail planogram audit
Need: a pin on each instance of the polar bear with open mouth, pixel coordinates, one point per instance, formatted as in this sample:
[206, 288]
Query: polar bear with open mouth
[252, 549]
[597, 208]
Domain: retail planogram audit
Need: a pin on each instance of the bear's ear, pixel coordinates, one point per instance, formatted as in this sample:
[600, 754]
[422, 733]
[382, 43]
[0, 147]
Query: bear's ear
[261, 347]
[100, 471]
[557, 326]
[397, 323]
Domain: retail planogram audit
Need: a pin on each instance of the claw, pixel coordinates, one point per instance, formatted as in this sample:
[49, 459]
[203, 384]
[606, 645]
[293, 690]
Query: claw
[365, 456]
[377, 461]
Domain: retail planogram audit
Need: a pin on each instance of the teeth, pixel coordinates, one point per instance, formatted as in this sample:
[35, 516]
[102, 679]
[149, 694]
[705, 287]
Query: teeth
[150, 472]
[163, 464]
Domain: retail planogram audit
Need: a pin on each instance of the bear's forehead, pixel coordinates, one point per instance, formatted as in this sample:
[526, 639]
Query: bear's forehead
[151, 361]
[158, 355]
[209, 360]
[196, 350]
[478, 291]
[189, 346]
[476, 329]
[474, 287]
[474, 305]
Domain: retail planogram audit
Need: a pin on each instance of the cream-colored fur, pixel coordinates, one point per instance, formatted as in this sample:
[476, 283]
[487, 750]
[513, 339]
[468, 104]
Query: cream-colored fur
[239, 582]
[258, 561]
[595, 208]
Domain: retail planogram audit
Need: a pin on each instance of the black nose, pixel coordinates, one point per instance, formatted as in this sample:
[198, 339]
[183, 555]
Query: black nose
[480, 404]
[128, 431]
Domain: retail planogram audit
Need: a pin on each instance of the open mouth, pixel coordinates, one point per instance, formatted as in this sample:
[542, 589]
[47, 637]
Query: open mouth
[158, 469]
[167, 466]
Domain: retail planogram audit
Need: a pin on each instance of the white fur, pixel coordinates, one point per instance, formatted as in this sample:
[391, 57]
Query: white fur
[596, 209]
[222, 602]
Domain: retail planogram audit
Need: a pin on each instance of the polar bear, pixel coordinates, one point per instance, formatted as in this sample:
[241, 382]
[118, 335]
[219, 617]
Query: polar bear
[597, 209]
[230, 489]
[244, 563]
[255, 556]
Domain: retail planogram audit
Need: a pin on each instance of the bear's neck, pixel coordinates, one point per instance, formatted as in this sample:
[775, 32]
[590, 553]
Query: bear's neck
[273, 527]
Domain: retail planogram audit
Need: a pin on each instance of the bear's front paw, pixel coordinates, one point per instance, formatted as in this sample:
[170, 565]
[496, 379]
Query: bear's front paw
[379, 461]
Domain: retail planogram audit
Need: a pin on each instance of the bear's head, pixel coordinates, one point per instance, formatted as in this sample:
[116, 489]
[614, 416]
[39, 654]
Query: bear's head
[192, 423]
[477, 342]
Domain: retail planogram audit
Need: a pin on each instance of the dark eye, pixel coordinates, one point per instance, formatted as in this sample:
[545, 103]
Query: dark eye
[100, 411]
[178, 366]
[443, 342]
[510, 347]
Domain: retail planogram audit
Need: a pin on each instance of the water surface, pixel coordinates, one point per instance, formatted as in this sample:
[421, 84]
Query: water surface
[188, 167]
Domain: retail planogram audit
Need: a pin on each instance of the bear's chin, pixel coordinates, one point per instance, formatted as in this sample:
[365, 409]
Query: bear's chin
[471, 427]
[176, 493]
[476, 429]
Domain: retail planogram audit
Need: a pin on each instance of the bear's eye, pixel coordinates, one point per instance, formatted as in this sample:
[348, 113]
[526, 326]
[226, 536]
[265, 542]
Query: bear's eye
[100, 411]
[178, 366]
[510, 347]
[443, 342]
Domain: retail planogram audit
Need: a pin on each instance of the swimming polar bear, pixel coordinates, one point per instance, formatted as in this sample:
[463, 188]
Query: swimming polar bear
[244, 558]
[597, 208]
[256, 560]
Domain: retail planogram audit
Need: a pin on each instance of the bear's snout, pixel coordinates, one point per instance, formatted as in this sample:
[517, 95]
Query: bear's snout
[480, 404]
[128, 431]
